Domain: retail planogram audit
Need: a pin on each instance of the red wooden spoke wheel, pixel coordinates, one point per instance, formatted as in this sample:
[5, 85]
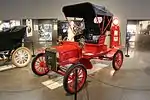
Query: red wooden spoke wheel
[39, 66]
[117, 60]
[71, 77]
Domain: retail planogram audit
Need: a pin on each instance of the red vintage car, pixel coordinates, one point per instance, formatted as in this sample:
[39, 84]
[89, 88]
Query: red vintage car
[98, 21]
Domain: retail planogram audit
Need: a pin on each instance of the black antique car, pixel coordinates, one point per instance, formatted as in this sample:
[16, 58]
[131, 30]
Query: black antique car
[11, 46]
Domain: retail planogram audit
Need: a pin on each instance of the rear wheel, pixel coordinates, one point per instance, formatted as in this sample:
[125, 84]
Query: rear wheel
[39, 66]
[117, 60]
[21, 57]
[70, 78]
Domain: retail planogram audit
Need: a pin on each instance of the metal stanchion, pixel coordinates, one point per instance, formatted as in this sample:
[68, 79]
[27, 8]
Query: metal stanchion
[33, 55]
[76, 83]
[127, 49]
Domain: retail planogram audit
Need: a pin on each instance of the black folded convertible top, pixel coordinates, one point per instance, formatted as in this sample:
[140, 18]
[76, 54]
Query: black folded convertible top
[85, 10]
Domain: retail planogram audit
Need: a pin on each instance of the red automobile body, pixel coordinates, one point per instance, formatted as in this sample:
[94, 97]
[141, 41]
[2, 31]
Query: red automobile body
[71, 53]
[79, 54]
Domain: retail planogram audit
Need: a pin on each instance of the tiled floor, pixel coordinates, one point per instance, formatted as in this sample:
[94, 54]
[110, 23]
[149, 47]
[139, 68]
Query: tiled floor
[132, 82]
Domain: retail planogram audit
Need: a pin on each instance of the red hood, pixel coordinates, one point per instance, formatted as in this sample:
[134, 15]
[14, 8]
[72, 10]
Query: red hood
[67, 47]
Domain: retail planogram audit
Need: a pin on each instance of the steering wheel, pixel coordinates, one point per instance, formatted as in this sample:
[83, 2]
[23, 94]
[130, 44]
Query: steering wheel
[65, 38]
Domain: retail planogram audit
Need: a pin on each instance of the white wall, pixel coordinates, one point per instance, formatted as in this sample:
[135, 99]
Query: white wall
[124, 9]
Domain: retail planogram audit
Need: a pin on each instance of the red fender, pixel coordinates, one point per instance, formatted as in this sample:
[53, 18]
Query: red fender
[41, 50]
[86, 63]
[111, 53]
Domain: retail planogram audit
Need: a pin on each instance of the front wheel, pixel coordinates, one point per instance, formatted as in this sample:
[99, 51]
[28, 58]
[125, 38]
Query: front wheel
[117, 60]
[39, 66]
[21, 57]
[78, 72]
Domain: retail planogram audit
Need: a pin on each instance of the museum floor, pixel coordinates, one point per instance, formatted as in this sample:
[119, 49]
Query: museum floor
[132, 82]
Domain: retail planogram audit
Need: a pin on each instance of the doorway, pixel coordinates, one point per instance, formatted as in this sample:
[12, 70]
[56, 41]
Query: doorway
[138, 34]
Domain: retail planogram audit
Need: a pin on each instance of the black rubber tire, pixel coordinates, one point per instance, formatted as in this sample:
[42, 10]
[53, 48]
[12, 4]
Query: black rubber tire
[33, 63]
[113, 61]
[65, 82]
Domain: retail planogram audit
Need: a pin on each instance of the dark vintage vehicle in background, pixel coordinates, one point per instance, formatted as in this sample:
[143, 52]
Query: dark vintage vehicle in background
[77, 54]
[11, 46]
